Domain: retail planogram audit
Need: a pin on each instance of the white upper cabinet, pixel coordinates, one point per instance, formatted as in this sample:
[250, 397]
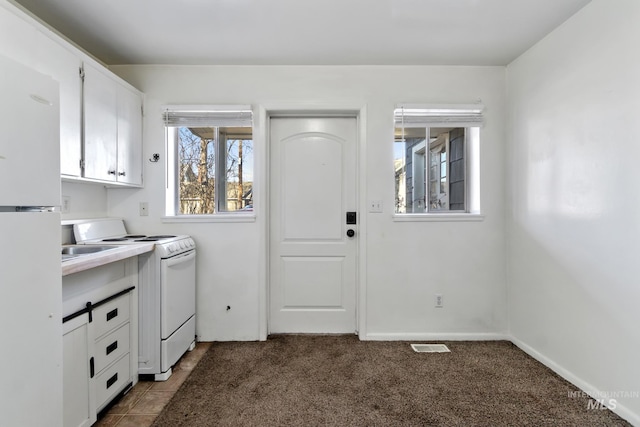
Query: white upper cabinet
[100, 125]
[64, 66]
[17, 38]
[24, 43]
[112, 129]
[110, 148]
[129, 136]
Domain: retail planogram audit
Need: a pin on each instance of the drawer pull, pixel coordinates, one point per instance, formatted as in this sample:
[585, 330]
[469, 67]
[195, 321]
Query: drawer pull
[111, 347]
[112, 380]
[113, 313]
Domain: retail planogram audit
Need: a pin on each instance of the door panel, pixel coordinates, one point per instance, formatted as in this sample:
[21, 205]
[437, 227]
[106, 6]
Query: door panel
[311, 165]
[313, 262]
[322, 284]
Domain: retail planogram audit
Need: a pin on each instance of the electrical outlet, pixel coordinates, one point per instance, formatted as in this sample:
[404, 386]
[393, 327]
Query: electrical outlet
[375, 206]
[144, 208]
[66, 204]
[439, 301]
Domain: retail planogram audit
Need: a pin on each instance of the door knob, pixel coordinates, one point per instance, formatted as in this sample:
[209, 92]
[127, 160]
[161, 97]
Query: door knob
[350, 233]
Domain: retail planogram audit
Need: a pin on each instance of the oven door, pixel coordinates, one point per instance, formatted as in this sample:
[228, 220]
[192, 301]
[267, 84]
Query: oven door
[178, 291]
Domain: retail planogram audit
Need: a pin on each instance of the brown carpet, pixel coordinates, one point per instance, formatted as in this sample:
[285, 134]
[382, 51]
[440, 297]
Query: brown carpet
[298, 380]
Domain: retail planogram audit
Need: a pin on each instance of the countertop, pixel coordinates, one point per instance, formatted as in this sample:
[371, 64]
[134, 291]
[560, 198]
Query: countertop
[85, 262]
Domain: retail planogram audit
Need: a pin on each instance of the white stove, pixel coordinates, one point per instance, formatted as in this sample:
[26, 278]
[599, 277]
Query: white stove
[113, 231]
[166, 292]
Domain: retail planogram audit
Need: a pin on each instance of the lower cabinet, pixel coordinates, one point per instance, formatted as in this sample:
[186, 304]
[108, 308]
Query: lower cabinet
[78, 395]
[111, 356]
[97, 357]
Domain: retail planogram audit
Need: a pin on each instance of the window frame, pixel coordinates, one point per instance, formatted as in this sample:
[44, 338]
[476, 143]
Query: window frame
[171, 127]
[437, 148]
[467, 116]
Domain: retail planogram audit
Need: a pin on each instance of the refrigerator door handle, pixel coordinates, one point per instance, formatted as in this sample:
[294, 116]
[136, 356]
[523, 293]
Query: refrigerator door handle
[35, 209]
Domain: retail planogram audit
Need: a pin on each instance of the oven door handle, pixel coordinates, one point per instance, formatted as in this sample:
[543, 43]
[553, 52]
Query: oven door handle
[180, 258]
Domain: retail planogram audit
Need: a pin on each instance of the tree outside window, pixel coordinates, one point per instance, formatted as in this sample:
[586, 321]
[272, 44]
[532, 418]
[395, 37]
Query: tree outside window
[215, 169]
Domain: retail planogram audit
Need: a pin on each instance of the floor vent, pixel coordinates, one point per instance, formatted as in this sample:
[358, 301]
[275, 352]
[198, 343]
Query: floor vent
[430, 348]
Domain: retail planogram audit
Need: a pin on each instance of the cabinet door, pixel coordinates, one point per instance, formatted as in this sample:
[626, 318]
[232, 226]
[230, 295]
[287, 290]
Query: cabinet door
[129, 136]
[64, 66]
[78, 394]
[100, 124]
[18, 38]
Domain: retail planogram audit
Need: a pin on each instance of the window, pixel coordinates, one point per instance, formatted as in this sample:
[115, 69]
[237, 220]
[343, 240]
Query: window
[436, 159]
[210, 160]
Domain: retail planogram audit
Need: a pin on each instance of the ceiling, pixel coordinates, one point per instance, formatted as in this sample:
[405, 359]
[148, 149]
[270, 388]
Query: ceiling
[305, 32]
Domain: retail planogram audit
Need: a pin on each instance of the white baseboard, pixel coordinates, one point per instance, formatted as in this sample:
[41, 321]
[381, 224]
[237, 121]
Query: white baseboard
[619, 410]
[454, 336]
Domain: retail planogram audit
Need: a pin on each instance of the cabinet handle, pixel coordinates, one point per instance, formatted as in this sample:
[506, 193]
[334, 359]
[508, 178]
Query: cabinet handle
[112, 347]
[92, 368]
[113, 313]
[112, 380]
[122, 173]
[111, 172]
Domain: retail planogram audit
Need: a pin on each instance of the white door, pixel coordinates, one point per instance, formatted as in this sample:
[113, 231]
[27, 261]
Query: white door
[312, 259]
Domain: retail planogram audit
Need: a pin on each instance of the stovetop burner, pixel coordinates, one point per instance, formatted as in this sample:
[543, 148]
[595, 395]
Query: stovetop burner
[139, 238]
[112, 231]
[124, 238]
[155, 238]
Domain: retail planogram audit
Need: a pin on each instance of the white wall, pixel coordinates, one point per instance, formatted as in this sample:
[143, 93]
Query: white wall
[573, 207]
[405, 263]
[85, 200]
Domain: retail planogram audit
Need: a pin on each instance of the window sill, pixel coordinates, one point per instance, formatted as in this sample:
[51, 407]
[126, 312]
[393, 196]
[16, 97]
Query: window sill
[441, 217]
[223, 217]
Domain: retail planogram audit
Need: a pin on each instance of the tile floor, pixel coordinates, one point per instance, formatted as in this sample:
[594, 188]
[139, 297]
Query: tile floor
[145, 400]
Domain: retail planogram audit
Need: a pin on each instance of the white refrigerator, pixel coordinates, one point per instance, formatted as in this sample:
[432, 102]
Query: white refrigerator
[30, 261]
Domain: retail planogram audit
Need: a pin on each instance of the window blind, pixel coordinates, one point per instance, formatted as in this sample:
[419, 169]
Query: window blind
[208, 116]
[412, 116]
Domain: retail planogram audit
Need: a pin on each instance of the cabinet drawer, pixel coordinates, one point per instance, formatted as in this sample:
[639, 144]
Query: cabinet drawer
[111, 381]
[112, 314]
[111, 347]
